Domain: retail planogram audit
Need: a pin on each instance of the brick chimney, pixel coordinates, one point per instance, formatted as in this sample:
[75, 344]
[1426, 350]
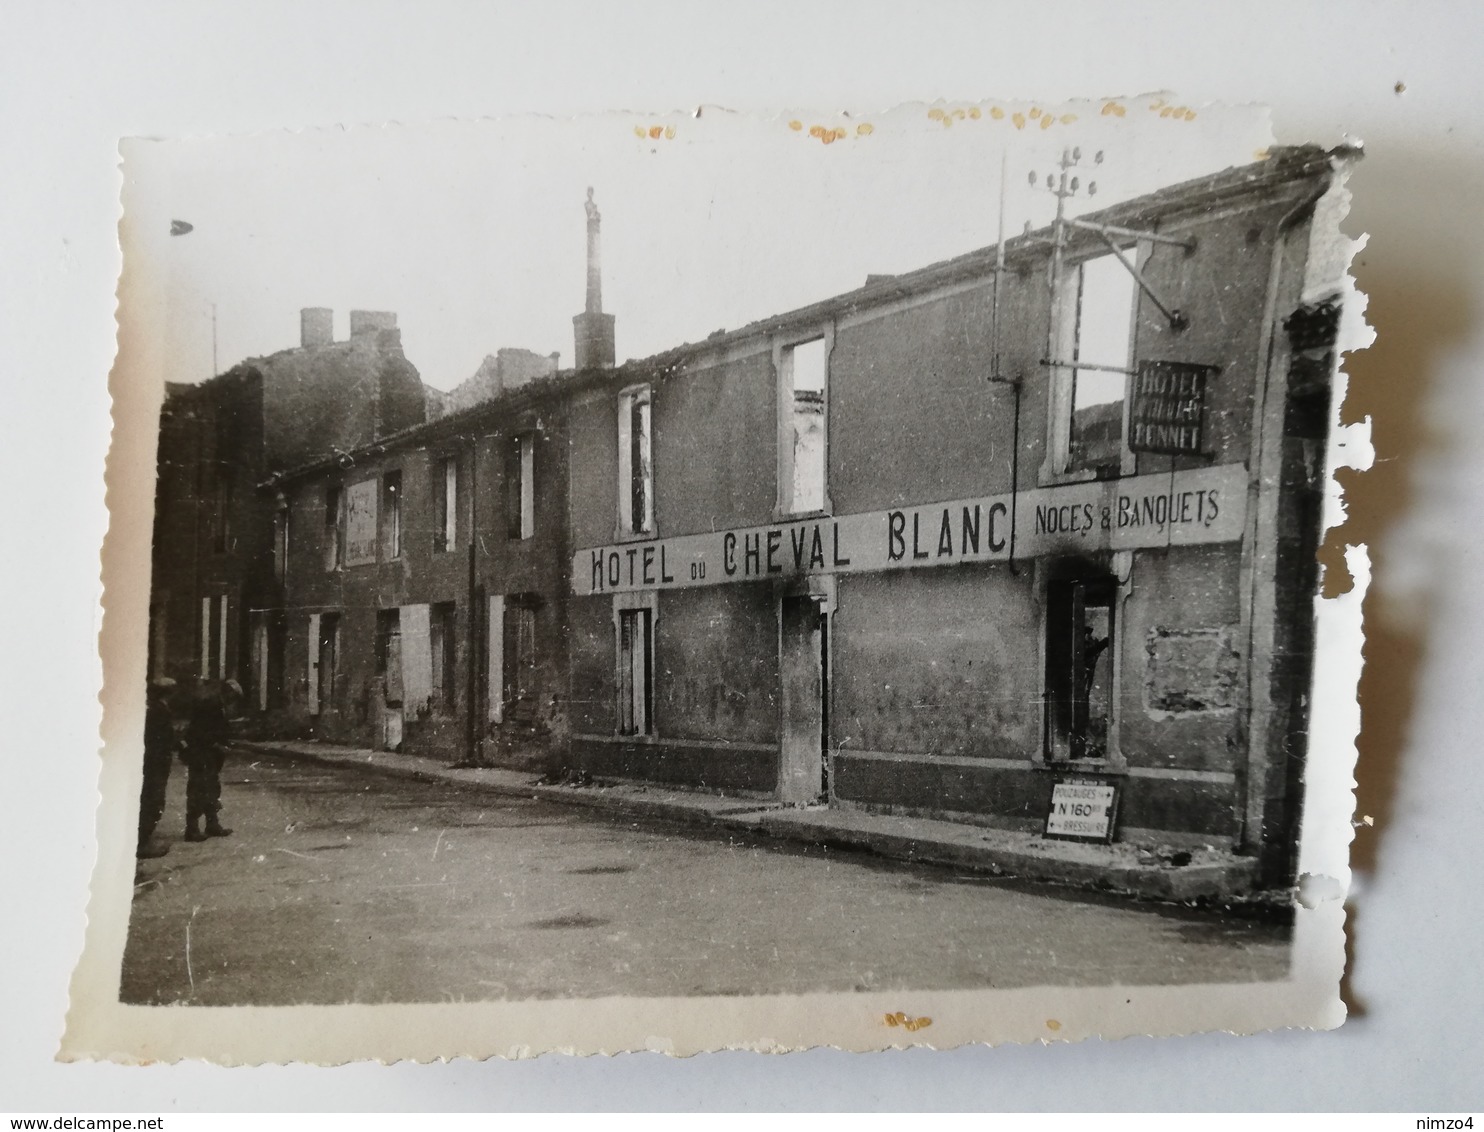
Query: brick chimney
[592, 328]
[316, 326]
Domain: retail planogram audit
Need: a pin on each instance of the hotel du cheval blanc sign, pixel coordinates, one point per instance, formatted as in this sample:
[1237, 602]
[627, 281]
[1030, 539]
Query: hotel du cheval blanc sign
[1186, 508]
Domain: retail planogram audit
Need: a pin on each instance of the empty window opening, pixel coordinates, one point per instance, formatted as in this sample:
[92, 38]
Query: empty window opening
[1079, 668]
[446, 504]
[391, 515]
[805, 374]
[1102, 302]
[635, 665]
[635, 467]
[520, 486]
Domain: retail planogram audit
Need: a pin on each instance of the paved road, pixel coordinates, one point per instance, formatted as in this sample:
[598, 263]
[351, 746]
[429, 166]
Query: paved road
[340, 886]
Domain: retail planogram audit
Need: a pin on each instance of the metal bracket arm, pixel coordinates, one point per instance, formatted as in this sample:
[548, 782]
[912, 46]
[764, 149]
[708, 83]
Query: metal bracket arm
[1177, 320]
[1131, 233]
[1062, 363]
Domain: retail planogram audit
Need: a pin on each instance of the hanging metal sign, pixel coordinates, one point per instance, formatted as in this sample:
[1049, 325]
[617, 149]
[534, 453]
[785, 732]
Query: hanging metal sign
[1168, 412]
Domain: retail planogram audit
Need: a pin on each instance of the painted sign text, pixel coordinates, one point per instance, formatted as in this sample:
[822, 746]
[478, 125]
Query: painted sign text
[1188, 508]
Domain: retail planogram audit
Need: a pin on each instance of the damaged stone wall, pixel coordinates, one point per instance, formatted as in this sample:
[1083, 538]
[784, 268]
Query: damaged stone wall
[1174, 597]
[937, 662]
[716, 655]
[1190, 670]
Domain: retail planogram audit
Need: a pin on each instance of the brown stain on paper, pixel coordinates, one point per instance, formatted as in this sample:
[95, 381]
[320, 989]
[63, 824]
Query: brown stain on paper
[907, 1021]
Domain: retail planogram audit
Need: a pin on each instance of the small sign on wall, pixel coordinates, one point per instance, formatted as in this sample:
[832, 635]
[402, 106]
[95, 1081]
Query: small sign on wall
[360, 523]
[1168, 413]
[1082, 809]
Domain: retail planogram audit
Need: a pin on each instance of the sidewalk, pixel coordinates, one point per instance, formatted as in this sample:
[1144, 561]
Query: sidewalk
[1119, 867]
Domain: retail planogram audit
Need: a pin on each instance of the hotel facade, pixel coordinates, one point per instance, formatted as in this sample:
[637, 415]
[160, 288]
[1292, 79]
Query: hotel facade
[1032, 525]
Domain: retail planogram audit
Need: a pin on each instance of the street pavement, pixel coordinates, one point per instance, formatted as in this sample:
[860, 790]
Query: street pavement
[342, 886]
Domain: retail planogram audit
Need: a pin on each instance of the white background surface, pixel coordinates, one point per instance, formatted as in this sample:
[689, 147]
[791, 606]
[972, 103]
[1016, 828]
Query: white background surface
[76, 77]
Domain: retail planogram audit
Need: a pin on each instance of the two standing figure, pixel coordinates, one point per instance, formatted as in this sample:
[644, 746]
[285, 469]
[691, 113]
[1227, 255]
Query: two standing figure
[207, 734]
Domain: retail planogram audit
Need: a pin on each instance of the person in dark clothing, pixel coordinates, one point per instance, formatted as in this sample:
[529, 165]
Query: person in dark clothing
[207, 734]
[1092, 649]
[1089, 740]
[159, 752]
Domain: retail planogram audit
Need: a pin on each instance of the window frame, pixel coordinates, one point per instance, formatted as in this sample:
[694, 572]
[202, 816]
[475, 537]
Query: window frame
[783, 367]
[259, 662]
[520, 486]
[518, 614]
[494, 659]
[446, 486]
[329, 634]
[643, 607]
[204, 621]
[282, 533]
[443, 638]
[391, 514]
[1066, 327]
[625, 528]
[215, 621]
[334, 526]
[389, 628]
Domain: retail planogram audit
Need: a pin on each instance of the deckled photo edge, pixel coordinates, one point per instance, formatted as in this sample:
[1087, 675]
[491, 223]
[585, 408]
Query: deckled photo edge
[100, 1026]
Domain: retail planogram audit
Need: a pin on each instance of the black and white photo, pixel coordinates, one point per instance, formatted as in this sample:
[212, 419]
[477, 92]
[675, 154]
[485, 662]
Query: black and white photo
[695, 581]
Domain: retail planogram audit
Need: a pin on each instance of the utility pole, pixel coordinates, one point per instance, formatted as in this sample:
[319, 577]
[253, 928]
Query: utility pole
[996, 374]
[1063, 184]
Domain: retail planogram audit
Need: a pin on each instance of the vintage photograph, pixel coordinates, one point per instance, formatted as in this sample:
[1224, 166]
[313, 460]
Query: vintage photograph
[867, 563]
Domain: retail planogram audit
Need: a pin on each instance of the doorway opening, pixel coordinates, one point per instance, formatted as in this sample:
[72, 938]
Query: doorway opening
[1080, 648]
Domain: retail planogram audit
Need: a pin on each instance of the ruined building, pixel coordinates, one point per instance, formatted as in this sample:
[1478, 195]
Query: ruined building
[1022, 533]
[218, 540]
